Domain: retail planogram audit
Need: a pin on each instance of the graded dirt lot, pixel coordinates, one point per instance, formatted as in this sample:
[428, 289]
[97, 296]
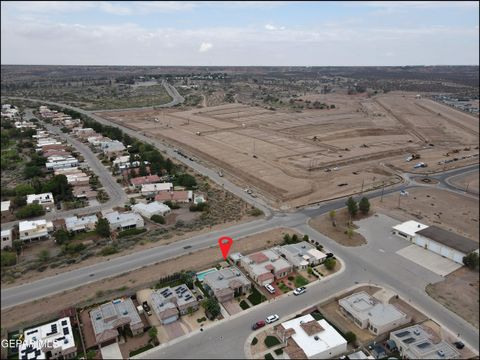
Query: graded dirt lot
[434, 207]
[138, 279]
[470, 182]
[459, 292]
[324, 224]
[286, 156]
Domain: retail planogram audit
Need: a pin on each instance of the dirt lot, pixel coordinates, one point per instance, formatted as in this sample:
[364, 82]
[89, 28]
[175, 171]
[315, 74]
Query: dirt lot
[29, 312]
[294, 150]
[324, 225]
[434, 207]
[459, 292]
[469, 182]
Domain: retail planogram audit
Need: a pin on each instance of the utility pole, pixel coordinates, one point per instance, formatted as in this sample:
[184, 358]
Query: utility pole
[362, 186]
[466, 189]
[399, 195]
[383, 188]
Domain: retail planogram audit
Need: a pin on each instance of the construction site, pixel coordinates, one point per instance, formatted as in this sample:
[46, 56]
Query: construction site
[294, 159]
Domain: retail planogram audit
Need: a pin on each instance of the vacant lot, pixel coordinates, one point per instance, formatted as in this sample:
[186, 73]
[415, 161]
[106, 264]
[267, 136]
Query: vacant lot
[459, 292]
[287, 156]
[106, 289]
[324, 224]
[469, 182]
[434, 207]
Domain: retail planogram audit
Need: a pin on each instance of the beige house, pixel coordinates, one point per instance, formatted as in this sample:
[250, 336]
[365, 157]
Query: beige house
[34, 229]
[266, 266]
[169, 303]
[226, 283]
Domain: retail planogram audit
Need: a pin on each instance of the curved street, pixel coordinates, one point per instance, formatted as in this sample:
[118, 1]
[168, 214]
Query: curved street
[375, 263]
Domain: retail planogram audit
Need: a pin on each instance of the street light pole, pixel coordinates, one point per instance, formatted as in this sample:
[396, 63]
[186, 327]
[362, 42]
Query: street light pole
[383, 188]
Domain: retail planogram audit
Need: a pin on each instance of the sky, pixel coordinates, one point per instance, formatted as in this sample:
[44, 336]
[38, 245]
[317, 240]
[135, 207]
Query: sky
[240, 33]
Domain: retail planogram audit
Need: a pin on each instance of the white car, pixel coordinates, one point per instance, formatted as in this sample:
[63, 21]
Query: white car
[270, 289]
[272, 318]
[299, 291]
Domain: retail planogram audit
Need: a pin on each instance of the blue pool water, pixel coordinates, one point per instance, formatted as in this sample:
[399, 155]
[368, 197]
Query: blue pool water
[201, 274]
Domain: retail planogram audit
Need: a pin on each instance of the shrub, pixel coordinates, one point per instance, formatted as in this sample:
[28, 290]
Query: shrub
[364, 206]
[61, 236]
[271, 341]
[102, 228]
[330, 263]
[256, 297]
[291, 278]
[108, 250]
[317, 315]
[158, 219]
[471, 260]
[254, 341]
[130, 232]
[172, 205]
[279, 351]
[243, 304]
[352, 206]
[310, 271]
[73, 248]
[268, 356]
[44, 255]
[255, 212]
[350, 337]
[199, 207]
[8, 258]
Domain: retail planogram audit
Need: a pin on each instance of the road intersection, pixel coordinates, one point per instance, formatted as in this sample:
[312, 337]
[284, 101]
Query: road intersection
[367, 264]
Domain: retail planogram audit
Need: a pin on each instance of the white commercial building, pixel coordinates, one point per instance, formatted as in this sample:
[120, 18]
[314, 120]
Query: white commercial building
[153, 189]
[123, 221]
[368, 312]
[408, 229]
[50, 341]
[6, 239]
[83, 223]
[45, 199]
[34, 229]
[307, 338]
[153, 208]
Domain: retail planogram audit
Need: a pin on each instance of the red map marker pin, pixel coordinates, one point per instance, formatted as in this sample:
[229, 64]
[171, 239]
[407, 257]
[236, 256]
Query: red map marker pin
[225, 243]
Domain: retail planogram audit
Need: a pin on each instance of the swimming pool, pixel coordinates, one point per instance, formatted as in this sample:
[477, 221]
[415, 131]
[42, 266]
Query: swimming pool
[201, 274]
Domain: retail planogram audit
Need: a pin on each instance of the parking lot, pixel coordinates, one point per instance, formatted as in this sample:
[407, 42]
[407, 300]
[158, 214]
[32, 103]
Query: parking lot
[429, 260]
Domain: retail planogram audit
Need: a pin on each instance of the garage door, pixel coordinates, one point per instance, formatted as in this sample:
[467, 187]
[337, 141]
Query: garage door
[434, 247]
[420, 241]
[446, 252]
[170, 320]
[457, 257]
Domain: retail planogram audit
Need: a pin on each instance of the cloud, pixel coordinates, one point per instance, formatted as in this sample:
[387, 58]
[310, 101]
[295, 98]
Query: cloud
[114, 9]
[205, 46]
[416, 4]
[271, 27]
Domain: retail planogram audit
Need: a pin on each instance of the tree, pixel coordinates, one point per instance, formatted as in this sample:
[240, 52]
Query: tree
[44, 255]
[19, 201]
[190, 311]
[330, 263]
[350, 337]
[8, 258]
[471, 261]
[31, 171]
[349, 232]
[142, 171]
[158, 219]
[17, 246]
[352, 207]
[59, 187]
[30, 211]
[24, 189]
[364, 206]
[102, 228]
[286, 238]
[152, 332]
[61, 236]
[306, 238]
[332, 215]
[212, 308]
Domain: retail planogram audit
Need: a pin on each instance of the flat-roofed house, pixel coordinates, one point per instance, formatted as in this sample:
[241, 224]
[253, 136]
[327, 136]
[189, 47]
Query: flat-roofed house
[82, 223]
[307, 338]
[302, 254]
[155, 188]
[45, 199]
[175, 196]
[150, 209]
[408, 229]
[54, 340]
[226, 283]
[7, 238]
[34, 229]
[123, 221]
[368, 312]
[139, 181]
[108, 318]
[415, 342]
[5, 206]
[169, 303]
[264, 267]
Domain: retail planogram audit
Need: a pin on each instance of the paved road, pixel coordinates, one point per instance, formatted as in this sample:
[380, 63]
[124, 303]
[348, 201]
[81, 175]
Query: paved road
[115, 191]
[176, 99]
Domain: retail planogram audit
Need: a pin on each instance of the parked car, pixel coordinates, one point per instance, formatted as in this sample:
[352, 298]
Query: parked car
[299, 291]
[459, 344]
[272, 318]
[146, 308]
[270, 289]
[258, 325]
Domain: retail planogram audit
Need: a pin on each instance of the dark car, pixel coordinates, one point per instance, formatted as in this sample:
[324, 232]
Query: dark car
[459, 344]
[258, 325]
[146, 308]
[329, 255]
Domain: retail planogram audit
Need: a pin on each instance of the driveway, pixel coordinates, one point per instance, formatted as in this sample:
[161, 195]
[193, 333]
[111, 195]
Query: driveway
[429, 260]
[232, 307]
[111, 351]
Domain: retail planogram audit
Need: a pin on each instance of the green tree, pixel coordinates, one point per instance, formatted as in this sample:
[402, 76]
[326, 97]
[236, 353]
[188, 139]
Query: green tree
[59, 187]
[471, 261]
[44, 255]
[306, 238]
[142, 171]
[102, 228]
[286, 238]
[19, 201]
[24, 189]
[7, 258]
[330, 263]
[152, 332]
[332, 215]
[364, 206]
[30, 211]
[158, 219]
[61, 236]
[349, 232]
[212, 308]
[31, 171]
[350, 337]
[352, 207]
[18, 246]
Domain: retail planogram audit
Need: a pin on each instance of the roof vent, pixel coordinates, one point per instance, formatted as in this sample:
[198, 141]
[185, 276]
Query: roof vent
[316, 337]
[220, 277]
[125, 312]
[303, 246]
[416, 332]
